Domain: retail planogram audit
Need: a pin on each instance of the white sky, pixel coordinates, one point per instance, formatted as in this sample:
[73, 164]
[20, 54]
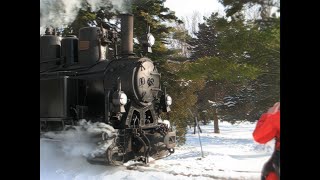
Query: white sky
[184, 8]
[232, 154]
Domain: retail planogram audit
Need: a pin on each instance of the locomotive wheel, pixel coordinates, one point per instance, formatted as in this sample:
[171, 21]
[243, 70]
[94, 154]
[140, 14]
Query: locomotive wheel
[116, 155]
[159, 151]
[97, 161]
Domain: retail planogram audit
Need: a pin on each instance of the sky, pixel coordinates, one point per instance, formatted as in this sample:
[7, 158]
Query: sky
[232, 154]
[185, 8]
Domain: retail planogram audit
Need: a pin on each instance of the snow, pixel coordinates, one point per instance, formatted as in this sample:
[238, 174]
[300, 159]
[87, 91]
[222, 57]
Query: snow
[232, 154]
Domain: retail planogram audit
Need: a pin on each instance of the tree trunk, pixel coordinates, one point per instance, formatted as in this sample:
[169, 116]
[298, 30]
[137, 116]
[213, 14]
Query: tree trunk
[205, 119]
[216, 122]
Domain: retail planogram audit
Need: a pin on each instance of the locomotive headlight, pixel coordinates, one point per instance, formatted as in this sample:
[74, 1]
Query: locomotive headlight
[119, 98]
[168, 100]
[123, 98]
[151, 39]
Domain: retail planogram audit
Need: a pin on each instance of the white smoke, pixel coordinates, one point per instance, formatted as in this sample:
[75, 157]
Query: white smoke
[85, 140]
[62, 151]
[100, 130]
[60, 13]
[117, 4]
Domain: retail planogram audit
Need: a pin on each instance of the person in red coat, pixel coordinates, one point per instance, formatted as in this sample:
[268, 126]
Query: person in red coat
[268, 128]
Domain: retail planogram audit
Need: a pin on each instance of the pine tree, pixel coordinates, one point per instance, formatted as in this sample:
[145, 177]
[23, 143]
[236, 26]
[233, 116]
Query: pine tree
[235, 8]
[253, 52]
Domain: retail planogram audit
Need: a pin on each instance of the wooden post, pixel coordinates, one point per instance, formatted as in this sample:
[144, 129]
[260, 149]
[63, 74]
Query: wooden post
[216, 121]
[197, 125]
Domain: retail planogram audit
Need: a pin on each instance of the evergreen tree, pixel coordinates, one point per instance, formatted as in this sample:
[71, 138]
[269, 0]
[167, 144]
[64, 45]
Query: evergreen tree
[153, 14]
[238, 44]
[222, 78]
[178, 43]
[183, 93]
[260, 47]
[205, 41]
[235, 8]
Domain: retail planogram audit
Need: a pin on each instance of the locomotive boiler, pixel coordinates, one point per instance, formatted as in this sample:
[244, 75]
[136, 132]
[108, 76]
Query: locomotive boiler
[78, 81]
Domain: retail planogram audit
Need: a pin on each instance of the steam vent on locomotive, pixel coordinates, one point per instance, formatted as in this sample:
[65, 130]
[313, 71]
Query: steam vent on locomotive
[78, 81]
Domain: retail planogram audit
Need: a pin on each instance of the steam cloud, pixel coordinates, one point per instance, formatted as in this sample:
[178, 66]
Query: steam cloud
[63, 154]
[60, 13]
[82, 140]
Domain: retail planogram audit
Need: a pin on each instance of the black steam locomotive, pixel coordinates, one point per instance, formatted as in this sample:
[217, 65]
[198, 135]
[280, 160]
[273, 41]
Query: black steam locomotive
[78, 81]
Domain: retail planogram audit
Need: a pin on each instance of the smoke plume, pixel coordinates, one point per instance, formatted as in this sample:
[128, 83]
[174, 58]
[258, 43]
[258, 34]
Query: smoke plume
[63, 154]
[60, 13]
[83, 139]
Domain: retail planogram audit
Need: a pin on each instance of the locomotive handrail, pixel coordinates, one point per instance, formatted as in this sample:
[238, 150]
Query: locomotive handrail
[93, 72]
[58, 72]
[54, 60]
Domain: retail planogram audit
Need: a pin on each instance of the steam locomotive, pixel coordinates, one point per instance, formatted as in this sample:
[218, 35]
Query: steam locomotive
[78, 81]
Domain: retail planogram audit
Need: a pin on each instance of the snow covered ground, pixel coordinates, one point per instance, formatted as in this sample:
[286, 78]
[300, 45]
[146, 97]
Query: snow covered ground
[232, 154]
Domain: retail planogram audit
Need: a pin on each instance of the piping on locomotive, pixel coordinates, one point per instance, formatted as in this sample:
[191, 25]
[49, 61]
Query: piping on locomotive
[77, 81]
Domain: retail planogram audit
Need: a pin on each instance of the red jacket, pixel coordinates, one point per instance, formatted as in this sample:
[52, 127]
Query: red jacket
[267, 128]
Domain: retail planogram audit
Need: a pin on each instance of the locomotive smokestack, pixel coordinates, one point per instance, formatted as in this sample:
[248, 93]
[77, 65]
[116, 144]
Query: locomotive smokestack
[126, 34]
